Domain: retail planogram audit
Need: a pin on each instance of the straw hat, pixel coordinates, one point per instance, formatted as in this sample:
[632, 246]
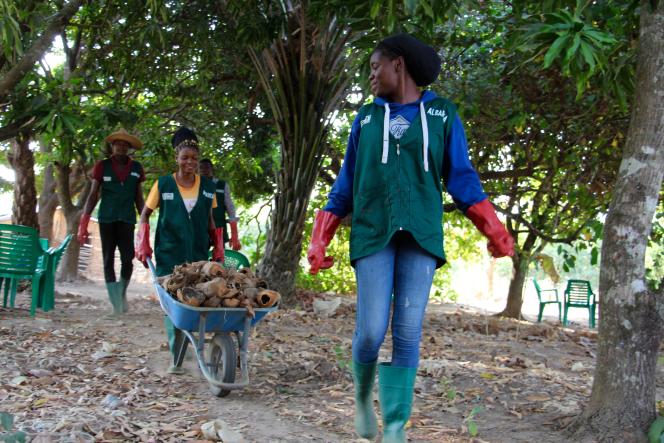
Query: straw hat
[122, 134]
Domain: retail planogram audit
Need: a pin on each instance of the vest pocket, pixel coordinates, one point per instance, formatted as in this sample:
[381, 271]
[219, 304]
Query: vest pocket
[371, 213]
[426, 213]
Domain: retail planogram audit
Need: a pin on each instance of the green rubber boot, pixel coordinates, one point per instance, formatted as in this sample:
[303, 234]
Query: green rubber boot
[364, 375]
[395, 393]
[115, 296]
[170, 332]
[125, 284]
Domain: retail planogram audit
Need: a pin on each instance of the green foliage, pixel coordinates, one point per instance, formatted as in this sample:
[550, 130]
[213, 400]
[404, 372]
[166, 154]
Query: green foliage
[445, 385]
[471, 424]
[583, 39]
[344, 358]
[9, 436]
[655, 251]
[579, 46]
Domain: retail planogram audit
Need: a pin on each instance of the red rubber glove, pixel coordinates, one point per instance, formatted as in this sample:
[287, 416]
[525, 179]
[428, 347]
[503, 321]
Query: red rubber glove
[325, 226]
[235, 240]
[143, 250]
[217, 237]
[83, 229]
[485, 220]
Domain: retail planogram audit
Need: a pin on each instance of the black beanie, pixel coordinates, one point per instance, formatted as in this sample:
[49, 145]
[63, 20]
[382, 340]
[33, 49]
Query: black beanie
[184, 137]
[422, 61]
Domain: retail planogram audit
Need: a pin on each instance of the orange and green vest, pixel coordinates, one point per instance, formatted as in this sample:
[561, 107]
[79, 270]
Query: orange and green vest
[117, 198]
[181, 236]
[399, 194]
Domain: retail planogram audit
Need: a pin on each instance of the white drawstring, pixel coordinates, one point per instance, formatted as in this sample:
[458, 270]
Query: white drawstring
[425, 137]
[386, 133]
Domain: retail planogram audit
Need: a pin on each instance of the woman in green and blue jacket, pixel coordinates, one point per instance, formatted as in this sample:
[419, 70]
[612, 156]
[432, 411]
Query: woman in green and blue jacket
[401, 150]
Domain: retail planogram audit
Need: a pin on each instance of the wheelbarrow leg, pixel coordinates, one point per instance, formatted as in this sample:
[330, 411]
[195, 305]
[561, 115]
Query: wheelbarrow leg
[177, 344]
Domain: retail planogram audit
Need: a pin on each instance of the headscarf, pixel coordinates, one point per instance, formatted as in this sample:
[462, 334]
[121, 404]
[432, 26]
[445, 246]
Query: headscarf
[184, 137]
[422, 61]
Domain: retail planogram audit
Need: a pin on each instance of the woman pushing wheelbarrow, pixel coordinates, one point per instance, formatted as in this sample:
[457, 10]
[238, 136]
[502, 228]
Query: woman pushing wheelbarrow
[185, 226]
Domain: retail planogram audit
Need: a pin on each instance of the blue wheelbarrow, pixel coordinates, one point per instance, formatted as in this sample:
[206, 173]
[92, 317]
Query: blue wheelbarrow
[225, 330]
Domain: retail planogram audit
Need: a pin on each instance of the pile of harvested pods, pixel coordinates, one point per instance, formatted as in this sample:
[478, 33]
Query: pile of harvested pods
[208, 284]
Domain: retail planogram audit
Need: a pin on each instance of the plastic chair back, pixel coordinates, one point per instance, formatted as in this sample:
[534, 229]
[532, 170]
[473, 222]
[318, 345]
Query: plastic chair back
[578, 292]
[47, 287]
[20, 250]
[538, 290]
[59, 251]
[235, 260]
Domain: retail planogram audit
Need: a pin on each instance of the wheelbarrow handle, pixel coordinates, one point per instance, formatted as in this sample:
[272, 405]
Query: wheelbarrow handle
[153, 271]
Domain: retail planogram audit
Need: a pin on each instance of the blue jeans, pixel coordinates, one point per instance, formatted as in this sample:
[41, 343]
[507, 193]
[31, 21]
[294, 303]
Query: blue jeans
[406, 270]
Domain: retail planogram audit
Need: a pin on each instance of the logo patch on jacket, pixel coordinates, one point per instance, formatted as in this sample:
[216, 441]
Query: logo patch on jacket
[398, 125]
[167, 196]
[208, 194]
[365, 120]
[136, 174]
[437, 113]
[107, 178]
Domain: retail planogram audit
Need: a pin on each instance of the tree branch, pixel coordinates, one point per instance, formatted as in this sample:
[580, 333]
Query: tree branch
[14, 128]
[41, 45]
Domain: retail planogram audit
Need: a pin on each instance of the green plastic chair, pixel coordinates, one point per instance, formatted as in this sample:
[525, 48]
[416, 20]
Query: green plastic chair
[579, 294]
[20, 253]
[47, 286]
[235, 260]
[542, 293]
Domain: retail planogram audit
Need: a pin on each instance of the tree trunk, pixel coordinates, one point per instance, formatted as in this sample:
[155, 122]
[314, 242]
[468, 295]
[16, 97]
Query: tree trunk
[48, 201]
[520, 262]
[72, 213]
[22, 160]
[314, 55]
[622, 403]
[68, 270]
[284, 239]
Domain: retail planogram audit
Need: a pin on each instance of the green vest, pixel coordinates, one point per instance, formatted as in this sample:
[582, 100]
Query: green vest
[219, 213]
[399, 195]
[117, 198]
[181, 237]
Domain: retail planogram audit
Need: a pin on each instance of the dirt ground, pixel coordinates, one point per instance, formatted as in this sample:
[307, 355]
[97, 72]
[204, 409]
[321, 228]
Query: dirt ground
[70, 375]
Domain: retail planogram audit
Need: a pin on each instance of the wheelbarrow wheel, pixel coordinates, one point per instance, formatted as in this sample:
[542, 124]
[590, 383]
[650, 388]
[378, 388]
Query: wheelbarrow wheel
[222, 360]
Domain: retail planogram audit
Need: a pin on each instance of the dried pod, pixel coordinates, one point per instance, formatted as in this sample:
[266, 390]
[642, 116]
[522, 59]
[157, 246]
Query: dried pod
[231, 293]
[246, 303]
[230, 302]
[175, 282]
[190, 296]
[216, 287]
[267, 298]
[251, 293]
[212, 302]
[212, 269]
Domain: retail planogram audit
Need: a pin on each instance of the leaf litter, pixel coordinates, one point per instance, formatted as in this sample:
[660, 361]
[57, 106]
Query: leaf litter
[68, 378]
